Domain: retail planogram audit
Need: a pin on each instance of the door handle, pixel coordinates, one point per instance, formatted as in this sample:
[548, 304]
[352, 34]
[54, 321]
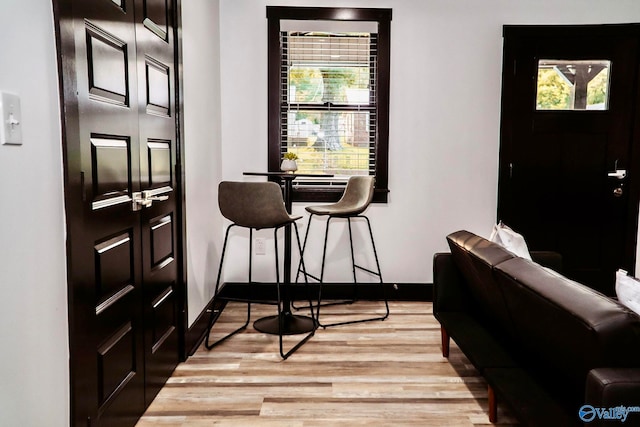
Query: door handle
[144, 199]
[618, 174]
[154, 198]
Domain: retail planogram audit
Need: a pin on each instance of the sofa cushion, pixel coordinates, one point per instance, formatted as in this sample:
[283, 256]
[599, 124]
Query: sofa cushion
[565, 328]
[476, 257]
[610, 387]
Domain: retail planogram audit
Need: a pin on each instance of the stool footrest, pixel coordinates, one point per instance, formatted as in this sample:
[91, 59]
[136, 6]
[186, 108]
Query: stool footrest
[368, 271]
[316, 278]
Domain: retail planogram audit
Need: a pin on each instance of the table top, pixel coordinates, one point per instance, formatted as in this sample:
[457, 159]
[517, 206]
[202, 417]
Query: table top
[289, 175]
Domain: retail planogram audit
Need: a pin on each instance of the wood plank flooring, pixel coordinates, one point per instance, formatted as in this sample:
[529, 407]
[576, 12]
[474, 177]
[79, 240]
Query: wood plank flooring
[368, 374]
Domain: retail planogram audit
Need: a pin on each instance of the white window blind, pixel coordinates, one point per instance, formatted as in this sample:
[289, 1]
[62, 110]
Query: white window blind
[328, 102]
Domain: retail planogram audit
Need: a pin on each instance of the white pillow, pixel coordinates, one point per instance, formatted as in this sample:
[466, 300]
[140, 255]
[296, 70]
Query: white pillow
[628, 290]
[512, 241]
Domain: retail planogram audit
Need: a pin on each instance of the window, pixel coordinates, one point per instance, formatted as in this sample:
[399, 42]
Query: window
[573, 85]
[329, 96]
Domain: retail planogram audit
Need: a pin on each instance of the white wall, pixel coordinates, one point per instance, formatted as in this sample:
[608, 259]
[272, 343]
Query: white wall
[34, 368]
[33, 307]
[201, 65]
[446, 64]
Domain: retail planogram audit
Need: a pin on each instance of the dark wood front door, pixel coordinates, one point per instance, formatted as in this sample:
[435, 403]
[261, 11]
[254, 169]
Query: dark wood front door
[117, 61]
[559, 154]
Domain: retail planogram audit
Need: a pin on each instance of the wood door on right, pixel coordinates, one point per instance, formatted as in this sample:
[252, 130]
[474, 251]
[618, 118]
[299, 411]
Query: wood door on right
[568, 108]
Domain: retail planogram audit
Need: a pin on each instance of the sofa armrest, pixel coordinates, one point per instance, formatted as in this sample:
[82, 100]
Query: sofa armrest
[449, 290]
[550, 259]
[614, 387]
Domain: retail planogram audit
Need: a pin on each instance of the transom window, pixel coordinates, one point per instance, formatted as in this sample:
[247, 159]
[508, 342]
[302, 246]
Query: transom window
[332, 96]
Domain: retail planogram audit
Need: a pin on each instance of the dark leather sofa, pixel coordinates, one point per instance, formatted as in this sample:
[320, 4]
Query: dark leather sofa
[546, 345]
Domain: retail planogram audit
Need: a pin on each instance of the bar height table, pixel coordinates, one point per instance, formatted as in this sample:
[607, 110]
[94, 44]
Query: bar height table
[293, 324]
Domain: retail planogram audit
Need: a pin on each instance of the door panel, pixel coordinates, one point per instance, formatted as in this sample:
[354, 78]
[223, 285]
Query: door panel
[120, 139]
[157, 130]
[109, 354]
[107, 66]
[554, 186]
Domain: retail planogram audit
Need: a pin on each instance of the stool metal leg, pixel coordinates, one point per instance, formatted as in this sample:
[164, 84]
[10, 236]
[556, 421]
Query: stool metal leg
[300, 265]
[324, 254]
[324, 249]
[304, 248]
[379, 274]
[306, 281]
[355, 266]
[353, 257]
[281, 325]
[321, 278]
[214, 315]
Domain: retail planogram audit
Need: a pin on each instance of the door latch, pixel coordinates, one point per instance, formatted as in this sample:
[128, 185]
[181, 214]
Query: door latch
[618, 192]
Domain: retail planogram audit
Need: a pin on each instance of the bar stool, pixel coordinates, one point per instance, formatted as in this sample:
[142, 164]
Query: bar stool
[256, 206]
[357, 196]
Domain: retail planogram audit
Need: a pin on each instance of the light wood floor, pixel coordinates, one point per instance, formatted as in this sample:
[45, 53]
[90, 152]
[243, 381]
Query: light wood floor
[369, 374]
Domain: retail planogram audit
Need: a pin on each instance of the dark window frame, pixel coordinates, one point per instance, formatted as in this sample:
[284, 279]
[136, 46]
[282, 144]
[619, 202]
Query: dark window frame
[383, 17]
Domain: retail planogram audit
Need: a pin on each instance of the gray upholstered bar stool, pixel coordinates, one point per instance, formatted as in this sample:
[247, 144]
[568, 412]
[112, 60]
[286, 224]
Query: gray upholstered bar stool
[256, 206]
[356, 198]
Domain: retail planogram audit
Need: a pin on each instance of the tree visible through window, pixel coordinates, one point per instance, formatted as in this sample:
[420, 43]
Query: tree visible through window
[329, 101]
[573, 85]
[329, 113]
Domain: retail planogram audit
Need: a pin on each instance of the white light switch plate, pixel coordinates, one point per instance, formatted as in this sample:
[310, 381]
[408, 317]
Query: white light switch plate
[11, 115]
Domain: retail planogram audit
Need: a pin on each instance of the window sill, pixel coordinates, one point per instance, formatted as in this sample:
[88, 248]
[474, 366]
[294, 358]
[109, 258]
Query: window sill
[331, 195]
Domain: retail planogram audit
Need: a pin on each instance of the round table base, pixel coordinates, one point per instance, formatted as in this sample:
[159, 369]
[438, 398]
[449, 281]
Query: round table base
[292, 324]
